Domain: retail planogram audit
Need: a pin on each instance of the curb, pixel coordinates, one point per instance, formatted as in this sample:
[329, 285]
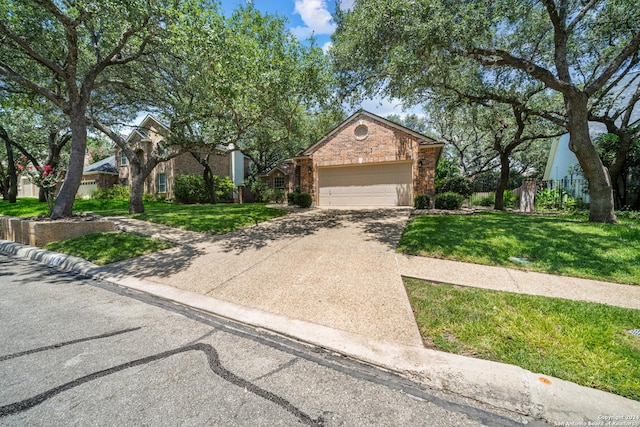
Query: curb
[500, 385]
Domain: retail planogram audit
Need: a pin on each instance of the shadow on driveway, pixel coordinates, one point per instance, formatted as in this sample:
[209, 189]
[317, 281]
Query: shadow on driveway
[380, 225]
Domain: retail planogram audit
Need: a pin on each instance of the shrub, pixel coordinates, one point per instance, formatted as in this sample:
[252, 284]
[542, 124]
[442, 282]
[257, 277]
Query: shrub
[304, 200]
[291, 199]
[457, 184]
[117, 192]
[449, 201]
[489, 200]
[260, 191]
[421, 201]
[190, 189]
[278, 195]
[224, 188]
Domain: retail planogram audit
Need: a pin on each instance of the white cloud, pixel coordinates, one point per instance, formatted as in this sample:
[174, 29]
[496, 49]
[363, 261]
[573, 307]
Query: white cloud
[316, 18]
[326, 47]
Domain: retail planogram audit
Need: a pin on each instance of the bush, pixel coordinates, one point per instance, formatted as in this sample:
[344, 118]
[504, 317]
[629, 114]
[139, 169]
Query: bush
[224, 188]
[260, 191]
[117, 192]
[457, 184]
[278, 195]
[449, 201]
[291, 199]
[304, 200]
[190, 189]
[421, 201]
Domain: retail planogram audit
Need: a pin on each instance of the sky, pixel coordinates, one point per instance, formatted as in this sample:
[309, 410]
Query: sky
[308, 18]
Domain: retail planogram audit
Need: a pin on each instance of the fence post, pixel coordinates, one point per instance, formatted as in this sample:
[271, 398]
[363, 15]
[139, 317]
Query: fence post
[527, 196]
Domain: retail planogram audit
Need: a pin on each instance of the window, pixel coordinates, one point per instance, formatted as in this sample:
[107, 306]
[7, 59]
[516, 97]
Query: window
[162, 183]
[278, 182]
[361, 132]
[123, 158]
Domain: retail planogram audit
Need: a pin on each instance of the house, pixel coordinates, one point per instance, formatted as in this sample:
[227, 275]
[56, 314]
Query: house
[150, 134]
[99, 175]
[280, 177]
[368, 161]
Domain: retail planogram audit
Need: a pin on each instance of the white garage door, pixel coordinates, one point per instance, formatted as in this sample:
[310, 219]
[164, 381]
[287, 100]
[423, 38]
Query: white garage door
[366, 185]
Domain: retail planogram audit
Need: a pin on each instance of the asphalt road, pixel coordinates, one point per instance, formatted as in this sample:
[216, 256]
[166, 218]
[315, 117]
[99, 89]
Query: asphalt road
[76, 351]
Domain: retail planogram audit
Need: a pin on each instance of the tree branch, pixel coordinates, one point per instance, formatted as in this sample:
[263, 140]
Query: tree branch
[630, 49]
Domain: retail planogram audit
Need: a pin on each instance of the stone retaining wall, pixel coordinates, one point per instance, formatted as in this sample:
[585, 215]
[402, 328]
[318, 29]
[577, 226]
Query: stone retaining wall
[39, 233]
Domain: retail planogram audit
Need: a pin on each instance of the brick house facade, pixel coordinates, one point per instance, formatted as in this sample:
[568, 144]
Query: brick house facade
[149, 134]
[368, 160]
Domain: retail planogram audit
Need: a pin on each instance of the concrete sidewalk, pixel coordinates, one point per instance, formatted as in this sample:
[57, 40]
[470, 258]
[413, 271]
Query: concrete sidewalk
[333, 279]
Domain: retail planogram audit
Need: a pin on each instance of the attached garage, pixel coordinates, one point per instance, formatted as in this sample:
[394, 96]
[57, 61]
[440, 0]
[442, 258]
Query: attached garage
[380, 184]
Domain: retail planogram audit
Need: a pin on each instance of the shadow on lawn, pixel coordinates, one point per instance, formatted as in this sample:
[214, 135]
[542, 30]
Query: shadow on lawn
[158, 264]
[378, 225]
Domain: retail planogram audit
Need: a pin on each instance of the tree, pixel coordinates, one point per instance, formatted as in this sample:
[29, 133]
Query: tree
[65, 51]
[615, 109]
[404, 48]
[34, 130]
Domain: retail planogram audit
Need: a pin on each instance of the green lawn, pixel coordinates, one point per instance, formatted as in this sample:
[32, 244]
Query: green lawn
[105, 248]
[565, 244]
[582, 342]
[214, 219]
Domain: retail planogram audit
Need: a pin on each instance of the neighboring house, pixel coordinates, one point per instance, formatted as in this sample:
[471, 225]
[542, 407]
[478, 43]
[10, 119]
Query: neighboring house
[149, 134]
[368, 161]
[280, 178]
[99, 175]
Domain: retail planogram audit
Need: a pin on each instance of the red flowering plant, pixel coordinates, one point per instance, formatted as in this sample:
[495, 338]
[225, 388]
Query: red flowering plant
[47, 178]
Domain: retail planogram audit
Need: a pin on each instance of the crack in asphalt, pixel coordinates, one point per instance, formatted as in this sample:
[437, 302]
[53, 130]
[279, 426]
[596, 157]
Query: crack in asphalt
[63, 344]
[214, 365]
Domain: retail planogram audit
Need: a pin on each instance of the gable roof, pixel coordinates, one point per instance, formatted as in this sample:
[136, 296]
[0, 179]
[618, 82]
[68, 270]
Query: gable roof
[142, 128]
[422, 139]
[107, 165]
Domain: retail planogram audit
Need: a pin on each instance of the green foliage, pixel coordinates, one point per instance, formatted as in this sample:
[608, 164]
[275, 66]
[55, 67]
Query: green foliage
[224, 188]
[567, 245]
[449, 201]
[278, 195]
[260, 191]
[556, 198]
[106, 248]
[457, 184]
[421, 201]
[303, 200]
[291, 199]
[190, 189]
[562, 338]
[117, 192]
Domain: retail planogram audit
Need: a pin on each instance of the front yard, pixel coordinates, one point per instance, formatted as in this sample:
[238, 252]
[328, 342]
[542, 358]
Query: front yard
[212, 219]
[566, 245]
[582, 342]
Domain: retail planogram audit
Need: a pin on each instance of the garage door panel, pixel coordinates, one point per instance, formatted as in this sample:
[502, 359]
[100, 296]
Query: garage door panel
[373, 185]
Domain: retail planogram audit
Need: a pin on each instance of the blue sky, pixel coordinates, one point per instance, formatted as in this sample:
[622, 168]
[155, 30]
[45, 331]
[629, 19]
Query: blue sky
[313, 18]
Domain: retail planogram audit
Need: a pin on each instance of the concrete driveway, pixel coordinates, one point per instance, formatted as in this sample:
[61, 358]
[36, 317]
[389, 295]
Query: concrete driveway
[335, 268]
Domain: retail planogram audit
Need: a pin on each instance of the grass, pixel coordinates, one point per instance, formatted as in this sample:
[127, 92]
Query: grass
[566, 245]
[581, 342]
[105, 248]
[213, 219]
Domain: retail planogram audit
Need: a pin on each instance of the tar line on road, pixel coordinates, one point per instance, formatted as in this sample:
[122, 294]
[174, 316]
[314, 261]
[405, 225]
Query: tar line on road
[356, 369]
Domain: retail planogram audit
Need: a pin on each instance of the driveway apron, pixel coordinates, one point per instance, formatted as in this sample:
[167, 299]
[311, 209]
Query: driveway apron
[336, 268]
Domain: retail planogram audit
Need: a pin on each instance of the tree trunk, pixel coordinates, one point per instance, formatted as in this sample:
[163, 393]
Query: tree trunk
[504, 181]
[210, 184]
[136, 204]
[12, 192]
[601, 206]
[64, 203]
